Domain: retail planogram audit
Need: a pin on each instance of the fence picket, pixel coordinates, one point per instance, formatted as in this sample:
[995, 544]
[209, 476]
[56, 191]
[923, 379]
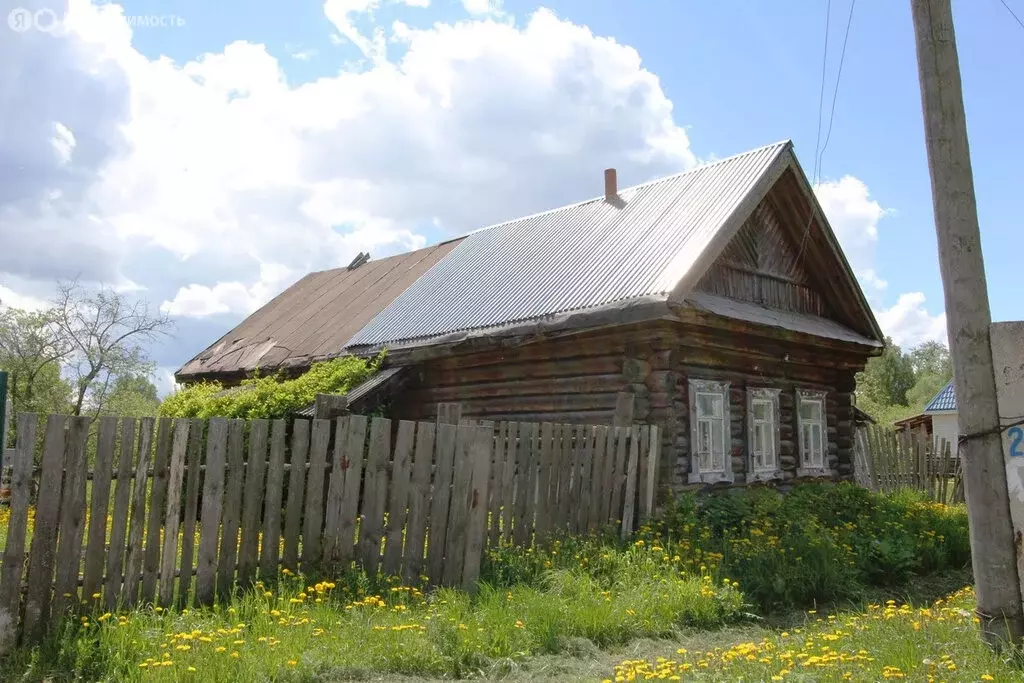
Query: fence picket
[232, 508]
[495, 486]
[480, 453]
[587, 435]
[352, 464]
[439, 503]
[622, 438]
[17, 525]
[629, 496]
[209, 520]
[508, 478]
[568, 464]
[136, 524]
[72, 518]
[313, 518]
[92, 579]
[272, 509]
[335, 493]
[119, 519]
[603, 454]
[375, 495]
[458, 512]
[653, 466]
[44, 532]
[399, 499]
[157, 494]
[419, 495]
[252, 501]
[296, 490]
[194, 458]
[545, 475]
[175, 475]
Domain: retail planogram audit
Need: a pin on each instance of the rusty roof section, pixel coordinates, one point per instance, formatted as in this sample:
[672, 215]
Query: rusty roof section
[312, 319]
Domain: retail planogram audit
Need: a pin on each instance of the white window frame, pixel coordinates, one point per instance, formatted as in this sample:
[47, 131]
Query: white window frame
[771, 470]
[710, 476]
[810, 467]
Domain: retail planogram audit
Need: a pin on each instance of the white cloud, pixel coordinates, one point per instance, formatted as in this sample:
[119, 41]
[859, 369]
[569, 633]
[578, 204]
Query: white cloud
[215, 183]
[909, 323]
[11, 299]
[200, 301]
[483, 7]
[854, 217]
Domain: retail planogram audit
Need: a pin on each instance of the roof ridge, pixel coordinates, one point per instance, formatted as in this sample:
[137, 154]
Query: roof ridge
[781, 144]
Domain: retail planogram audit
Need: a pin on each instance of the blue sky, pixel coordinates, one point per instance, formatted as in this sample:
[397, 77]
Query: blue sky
[509, 125]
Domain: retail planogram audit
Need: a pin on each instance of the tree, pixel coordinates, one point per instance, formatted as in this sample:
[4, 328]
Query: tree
[931, 358]
[132, 396]
[31, 351]
[104, 331]
[887, 378]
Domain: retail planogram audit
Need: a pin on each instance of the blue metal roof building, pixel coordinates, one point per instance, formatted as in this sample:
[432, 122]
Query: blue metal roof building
[944, 401]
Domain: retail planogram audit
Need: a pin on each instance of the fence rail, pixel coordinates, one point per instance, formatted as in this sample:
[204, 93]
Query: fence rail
[185, 511]
[887, 460]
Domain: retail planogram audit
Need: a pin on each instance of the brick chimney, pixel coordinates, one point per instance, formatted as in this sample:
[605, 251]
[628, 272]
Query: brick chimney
[611, 188]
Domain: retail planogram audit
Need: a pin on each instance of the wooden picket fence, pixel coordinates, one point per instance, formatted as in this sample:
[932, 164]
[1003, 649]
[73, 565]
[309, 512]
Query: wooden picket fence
[888, 460]
[128, 511]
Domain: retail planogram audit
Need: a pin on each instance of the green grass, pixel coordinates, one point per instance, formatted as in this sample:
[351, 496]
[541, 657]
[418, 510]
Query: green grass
[937, 642]
[308, 631]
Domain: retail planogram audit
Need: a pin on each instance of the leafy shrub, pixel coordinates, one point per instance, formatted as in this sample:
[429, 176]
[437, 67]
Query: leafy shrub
[817, 543]
[270, 396]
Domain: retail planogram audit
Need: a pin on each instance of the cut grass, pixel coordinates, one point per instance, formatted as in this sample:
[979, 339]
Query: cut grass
[938, 642]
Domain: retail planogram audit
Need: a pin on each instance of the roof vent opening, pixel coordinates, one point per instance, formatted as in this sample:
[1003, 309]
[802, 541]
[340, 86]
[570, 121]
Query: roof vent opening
[359, 260]
[611, 185]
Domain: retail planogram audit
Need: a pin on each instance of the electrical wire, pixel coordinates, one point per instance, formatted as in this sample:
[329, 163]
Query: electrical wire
[1012, 13]
[821, 91]
[820, 154]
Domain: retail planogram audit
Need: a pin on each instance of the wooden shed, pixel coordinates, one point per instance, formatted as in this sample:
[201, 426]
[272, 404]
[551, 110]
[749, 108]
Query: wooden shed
[719, 297]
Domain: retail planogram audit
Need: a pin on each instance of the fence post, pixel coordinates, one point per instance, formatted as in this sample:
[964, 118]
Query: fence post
[329, 406]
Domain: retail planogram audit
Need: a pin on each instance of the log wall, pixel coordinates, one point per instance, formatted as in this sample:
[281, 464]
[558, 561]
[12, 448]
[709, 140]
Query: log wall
[576, 379]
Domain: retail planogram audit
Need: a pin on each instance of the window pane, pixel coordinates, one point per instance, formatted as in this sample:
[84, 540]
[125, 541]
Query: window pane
[762, 409]
[810, 409]
[709, 405]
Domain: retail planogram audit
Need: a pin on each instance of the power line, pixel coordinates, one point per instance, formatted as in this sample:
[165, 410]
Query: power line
[820, 154]
[839, 75]
[1012, 14]
[821, 91]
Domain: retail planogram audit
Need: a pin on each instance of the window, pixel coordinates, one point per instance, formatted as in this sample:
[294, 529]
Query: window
[811, 422]
[763, 439]
[709, 432]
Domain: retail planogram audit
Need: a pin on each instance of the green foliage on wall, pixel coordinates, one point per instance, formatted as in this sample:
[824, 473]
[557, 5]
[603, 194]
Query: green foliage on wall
[270, 396]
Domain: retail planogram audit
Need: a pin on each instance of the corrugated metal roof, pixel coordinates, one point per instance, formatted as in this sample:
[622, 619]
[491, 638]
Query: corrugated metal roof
[312, 319]
[581, 256]
[944, 400]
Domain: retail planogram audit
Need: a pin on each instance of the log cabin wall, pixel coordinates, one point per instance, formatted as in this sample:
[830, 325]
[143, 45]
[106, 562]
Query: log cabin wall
[575, 380]
[745, 361]
[571, 379]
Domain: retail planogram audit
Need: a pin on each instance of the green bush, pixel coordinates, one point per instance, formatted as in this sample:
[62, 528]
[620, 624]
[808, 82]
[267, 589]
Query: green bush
[270, 396]
[817, 543]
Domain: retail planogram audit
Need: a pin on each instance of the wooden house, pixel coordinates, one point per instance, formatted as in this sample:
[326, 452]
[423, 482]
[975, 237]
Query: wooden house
[719, 297]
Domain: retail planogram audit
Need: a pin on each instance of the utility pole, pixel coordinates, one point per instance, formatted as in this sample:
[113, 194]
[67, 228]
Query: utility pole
[968, 319]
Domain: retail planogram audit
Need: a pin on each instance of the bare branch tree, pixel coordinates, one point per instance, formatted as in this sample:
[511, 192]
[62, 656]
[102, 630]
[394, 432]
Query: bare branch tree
[104, 331]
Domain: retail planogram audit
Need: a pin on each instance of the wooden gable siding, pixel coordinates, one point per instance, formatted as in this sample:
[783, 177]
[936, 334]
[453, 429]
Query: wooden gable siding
[762, 265]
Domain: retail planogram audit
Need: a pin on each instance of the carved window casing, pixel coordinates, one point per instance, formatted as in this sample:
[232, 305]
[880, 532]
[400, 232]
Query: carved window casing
[812, 433]
[710, 432]
[763, 440]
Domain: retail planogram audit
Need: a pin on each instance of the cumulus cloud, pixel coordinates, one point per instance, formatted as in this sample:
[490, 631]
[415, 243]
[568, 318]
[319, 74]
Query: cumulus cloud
[212, 184]
[855, 216]
[483, 7]
[909, 323]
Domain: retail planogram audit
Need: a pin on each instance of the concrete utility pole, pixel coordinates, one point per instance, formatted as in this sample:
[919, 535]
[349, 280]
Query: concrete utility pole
[968, 319]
